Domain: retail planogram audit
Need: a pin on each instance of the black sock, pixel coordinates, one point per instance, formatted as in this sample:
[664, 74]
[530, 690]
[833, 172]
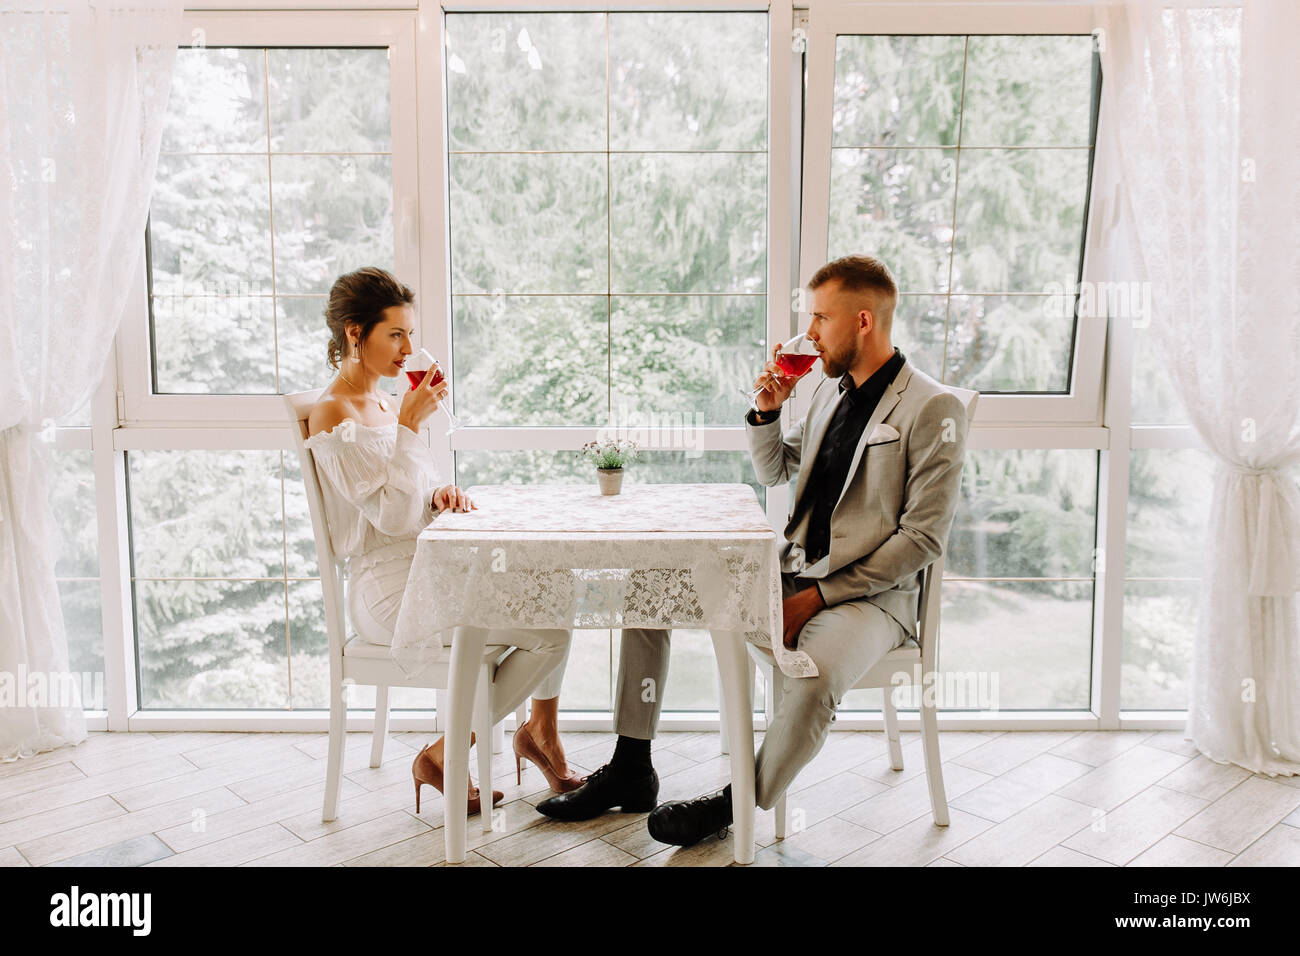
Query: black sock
[631, 753]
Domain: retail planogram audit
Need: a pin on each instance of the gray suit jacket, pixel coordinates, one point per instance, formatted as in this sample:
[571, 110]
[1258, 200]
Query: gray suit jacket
[897, 504]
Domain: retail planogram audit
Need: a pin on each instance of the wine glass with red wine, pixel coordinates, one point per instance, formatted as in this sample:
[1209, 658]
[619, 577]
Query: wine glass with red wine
[420, 365]
[795, 360]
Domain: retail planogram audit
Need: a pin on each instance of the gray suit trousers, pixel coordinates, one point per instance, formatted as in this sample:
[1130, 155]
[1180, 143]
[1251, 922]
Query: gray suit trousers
[845, 640]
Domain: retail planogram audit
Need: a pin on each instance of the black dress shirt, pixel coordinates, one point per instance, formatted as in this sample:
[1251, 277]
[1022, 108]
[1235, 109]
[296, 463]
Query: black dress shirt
[831, 469]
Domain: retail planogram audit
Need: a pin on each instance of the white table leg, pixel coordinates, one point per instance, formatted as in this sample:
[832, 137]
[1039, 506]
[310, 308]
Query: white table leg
[466, 656]
[738, 716]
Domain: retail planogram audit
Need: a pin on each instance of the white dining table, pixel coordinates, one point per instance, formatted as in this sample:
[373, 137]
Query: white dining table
[565, 556]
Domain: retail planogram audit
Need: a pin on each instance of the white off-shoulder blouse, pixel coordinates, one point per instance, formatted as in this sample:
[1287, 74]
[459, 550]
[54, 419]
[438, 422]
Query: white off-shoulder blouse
[378, 483]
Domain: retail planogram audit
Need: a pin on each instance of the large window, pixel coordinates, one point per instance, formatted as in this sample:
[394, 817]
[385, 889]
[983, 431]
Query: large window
[963, 162]
[275, 174]
[281, 167]
[606, 216]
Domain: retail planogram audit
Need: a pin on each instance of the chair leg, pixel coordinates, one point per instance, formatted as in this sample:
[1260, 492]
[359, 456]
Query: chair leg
[891, 728]
[499, 738]
[781, 809]
[380, 734]
[484, 731]
[933, 765]
[334, 762]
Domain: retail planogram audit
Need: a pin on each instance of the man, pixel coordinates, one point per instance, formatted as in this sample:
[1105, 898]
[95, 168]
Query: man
[877, 468]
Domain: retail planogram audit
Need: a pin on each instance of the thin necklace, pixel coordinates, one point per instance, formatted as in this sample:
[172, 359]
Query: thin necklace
[383, 405]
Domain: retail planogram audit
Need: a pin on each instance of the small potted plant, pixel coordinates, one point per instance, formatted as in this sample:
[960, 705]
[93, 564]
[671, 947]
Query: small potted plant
[609, 457]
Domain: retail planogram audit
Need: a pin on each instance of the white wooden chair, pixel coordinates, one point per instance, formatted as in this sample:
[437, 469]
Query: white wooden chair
[901, 660]
[358, 662]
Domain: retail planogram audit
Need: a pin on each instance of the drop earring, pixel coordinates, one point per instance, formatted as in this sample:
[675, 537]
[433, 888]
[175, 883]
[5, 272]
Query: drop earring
[356, 353]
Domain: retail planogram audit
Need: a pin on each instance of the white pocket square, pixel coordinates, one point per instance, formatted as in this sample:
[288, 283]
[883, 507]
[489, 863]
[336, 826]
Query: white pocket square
[881, 434]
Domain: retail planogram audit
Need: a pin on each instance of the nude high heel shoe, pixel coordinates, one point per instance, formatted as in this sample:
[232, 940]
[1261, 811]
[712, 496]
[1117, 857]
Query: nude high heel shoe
[424, 770]
[526, 749]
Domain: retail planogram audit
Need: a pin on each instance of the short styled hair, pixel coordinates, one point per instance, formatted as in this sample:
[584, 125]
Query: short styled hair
[862, 274]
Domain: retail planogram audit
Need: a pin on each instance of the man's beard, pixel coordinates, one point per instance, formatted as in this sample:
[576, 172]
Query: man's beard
[836, 367]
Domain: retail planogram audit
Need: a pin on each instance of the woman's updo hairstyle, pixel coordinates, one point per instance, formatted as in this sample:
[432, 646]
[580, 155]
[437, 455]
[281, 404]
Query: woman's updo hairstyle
[360, 297]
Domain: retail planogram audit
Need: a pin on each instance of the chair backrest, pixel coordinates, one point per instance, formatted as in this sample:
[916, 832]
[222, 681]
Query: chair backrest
[928, 600]
[299, 406]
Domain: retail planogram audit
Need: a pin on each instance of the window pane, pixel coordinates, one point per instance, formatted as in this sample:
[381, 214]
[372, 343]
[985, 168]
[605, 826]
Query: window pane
[587, 674]
[212, 644]
[1028, 91]
[309, 662]
[1026, 513]
[72, 503]
[210, 226]
[917, 182]
[678, 361]
[214, 344]
[692, 223]
[333, 214]
[688, 80]
[1154, 400]
[218, 269]
[692, 672]
[330, 100]
[1009, 343]
[302, 342]
[84, 624]
[206, 514]
[1019, 219]
[527, 223]
[217, 102]
[531, 360]
[919, 330]
[895, 204]
[525, 81]
[1159, 627]
[897, 90]
[1169, 499]
[1035, 637]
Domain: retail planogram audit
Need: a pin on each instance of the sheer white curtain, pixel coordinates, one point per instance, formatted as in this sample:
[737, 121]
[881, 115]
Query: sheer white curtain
[1208, 141]
[81, 109]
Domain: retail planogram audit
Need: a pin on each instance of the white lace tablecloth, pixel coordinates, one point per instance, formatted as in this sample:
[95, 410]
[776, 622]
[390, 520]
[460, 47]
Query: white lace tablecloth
[669, 556]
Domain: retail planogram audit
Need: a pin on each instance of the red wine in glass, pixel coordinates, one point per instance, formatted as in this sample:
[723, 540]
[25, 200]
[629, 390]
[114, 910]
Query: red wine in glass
[795, 359]
[419, 367]
[417, 376]
[795, 364]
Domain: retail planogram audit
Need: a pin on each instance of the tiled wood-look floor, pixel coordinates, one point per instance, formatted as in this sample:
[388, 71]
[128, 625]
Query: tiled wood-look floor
[1021, 798]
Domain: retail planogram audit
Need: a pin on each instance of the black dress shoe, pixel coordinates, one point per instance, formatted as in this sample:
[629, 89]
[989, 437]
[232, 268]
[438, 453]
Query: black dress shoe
[632, 792]
[686, 822]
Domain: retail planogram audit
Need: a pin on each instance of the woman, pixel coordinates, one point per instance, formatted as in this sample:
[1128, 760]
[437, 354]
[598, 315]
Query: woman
[380, 487]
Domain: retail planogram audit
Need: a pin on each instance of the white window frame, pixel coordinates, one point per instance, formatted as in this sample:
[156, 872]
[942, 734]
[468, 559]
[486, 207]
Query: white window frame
[396, 31]
[828, 20]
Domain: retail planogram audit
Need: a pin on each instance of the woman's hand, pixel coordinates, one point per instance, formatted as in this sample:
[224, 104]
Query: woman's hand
[451, 498]
[422, 401]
